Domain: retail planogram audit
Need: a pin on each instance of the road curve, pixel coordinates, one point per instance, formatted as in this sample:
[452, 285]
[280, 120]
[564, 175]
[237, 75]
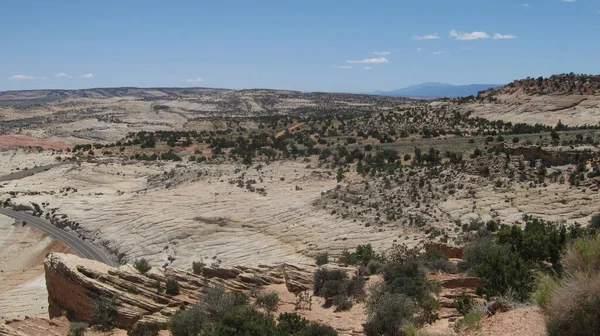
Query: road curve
[82, 248]
[31, 171]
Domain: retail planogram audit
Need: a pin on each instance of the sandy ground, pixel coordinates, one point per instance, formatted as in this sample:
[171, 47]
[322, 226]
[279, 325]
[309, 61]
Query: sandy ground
[528, 321]
[22, 284]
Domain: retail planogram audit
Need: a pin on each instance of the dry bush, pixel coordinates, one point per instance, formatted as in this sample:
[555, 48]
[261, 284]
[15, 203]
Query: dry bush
[574, 304]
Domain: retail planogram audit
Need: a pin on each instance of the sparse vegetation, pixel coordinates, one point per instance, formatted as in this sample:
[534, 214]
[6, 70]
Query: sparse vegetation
[222, 313]
[172, 286]
[104, 313]
[77, 329]
[142, 265]
[322, 259]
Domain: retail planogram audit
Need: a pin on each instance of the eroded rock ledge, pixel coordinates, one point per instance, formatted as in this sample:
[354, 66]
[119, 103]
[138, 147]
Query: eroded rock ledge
[74, 284]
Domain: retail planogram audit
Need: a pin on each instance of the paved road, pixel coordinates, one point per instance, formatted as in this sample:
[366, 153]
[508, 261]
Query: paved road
[24, 173]
[82, 248]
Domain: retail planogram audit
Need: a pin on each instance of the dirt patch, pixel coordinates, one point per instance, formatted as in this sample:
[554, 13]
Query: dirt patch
[15, 140]
[522, 321]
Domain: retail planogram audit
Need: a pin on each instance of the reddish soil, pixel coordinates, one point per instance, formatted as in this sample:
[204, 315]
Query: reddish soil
[15, 140]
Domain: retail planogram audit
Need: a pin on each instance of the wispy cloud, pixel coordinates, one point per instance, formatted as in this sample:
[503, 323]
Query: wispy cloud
[439, 52]
[21, 77]
[87, 76]
[381, 53]
[419, 49]
[367, 68]
[525, 5]
[343, 67]
[567, 0]
[60, 74]
[44, 78]
[427, 37]
[476, 35]
[371, 61]
[196, 80]
[504, 37]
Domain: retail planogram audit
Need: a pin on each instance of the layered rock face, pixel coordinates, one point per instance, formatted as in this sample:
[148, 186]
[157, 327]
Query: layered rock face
[74, 284]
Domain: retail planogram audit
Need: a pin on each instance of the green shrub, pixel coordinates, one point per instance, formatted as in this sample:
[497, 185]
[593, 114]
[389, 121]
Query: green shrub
[544, 289]
[342, 302]
[104, 313]
[197, 267]
[435, 260]
[172, 287]
[189, 322]
[206, 313]
[595, 222]
[404, 274]
[294, 324]
[539, 241]
[332, 283]
[375, 266]
[322, 259]
[77, 329]
[361, 256]
[583, 256]
[464, 304]
[144, 329]
[387, 313]
[267, 301]
[142, 265]
[471, 321]
[244, 321]
[502, 269]
[291, 323]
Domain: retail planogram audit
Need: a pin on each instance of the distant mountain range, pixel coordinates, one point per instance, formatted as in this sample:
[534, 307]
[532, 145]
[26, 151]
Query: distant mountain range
[438, 90]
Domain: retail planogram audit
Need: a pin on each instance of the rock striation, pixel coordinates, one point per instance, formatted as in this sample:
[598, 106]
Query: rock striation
[75, 284]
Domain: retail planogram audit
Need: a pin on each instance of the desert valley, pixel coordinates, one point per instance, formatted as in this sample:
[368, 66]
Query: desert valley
[317, 197]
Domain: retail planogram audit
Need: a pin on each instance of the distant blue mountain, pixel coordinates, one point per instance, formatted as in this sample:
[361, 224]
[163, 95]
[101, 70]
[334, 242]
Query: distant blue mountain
[438, 90]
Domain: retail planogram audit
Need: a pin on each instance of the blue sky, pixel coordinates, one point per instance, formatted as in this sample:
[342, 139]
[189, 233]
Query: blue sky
[302, 45]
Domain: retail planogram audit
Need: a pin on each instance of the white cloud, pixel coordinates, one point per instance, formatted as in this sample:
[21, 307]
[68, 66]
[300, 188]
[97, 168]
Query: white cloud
[196, 80]
[367, 68]
[468, 36]
[371, 61]
[567, 0]
[525, 5]
[44, 78]
[87, 75]
[381, 53]
[439, 52]
[427, 37]
[419, 49]
[60, 74]
[504, 37]
[344, 67]
[21, 77]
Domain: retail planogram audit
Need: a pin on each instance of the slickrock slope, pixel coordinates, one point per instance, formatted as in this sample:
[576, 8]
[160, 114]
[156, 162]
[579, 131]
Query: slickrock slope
[74, 284]
[572, 99]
